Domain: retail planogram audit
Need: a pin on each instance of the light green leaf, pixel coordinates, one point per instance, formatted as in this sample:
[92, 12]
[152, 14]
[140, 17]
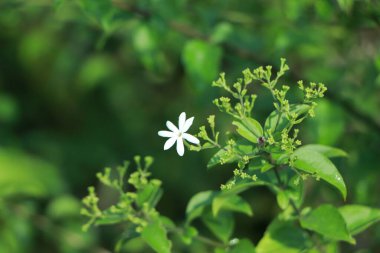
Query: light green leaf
[150, 193]
[243, 186]
[221, 32]
[243, 131]
[201, 61]
[346, 5]
[295, 190]
[221, 226]
[325, 150]
[282, 199]
[198, 203]
[154, 234]
[283, 236]
[327, 221]
[315, 163]
[243, 246]
[253, 126]
[230, 203]
[222, 154]
[229, 157]
[328, 126]
[188, 234]
[359, 218]
[22, 174]
[283, 122]
[65, 206]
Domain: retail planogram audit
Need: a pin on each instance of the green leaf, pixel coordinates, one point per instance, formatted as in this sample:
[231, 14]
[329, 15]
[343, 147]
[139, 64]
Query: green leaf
[327, 151]
[23, 174]
[230, 157]
[283, 122]
[243, 246]
[282, 199]
[295, 190]
[230, 203]
[65, 206]
[327, 221]
[221, 226]
[154, 234]
[110, 218]
[283, 236]
[253, 126]
[315, 163]
[328, 126]
[198, 203]
[128, 234]
[243, 131]
[201, 61]
[243, 186]
[346, 5]
[150, 193]
[188, 234]
[221, 32]
[359, 218]
[227, 157]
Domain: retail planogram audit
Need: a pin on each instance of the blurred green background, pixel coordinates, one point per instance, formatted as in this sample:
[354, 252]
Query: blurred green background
[86, 84]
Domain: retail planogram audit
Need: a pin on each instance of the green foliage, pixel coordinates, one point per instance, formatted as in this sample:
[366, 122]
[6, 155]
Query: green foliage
[87, 83]
[272, 156]
[25, 175]
[358, 218]
[327, 221]
[134, 208]
[155, 236]
[283, 236]
[320, 166]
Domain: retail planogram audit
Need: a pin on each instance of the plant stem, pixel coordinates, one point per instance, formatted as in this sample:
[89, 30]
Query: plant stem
[297, 210]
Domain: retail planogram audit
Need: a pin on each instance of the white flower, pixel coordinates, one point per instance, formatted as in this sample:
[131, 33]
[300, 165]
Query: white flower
[178, 134]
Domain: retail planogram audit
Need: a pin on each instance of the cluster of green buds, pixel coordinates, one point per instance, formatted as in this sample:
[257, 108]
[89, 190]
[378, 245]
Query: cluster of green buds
[276, 135]
[137, 198]
[245, 103]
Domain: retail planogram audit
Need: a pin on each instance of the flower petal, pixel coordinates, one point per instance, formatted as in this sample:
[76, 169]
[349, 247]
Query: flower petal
[181, 121]
[169, 143]
[171, 127]
[180, 147]
[190, 138]
[187, 125]
[166, 134]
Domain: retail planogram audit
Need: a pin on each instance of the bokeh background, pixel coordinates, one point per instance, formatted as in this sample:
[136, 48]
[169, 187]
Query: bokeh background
[86, 84]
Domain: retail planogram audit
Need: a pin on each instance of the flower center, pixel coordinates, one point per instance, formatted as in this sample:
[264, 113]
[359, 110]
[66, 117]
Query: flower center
[180, 134]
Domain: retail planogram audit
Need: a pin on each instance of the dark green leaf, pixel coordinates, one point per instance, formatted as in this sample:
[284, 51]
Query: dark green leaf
[221, 226]
[327, 221]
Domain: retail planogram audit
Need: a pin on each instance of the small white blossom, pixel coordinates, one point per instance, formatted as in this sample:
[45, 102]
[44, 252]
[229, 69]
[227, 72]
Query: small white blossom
[178, 134]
